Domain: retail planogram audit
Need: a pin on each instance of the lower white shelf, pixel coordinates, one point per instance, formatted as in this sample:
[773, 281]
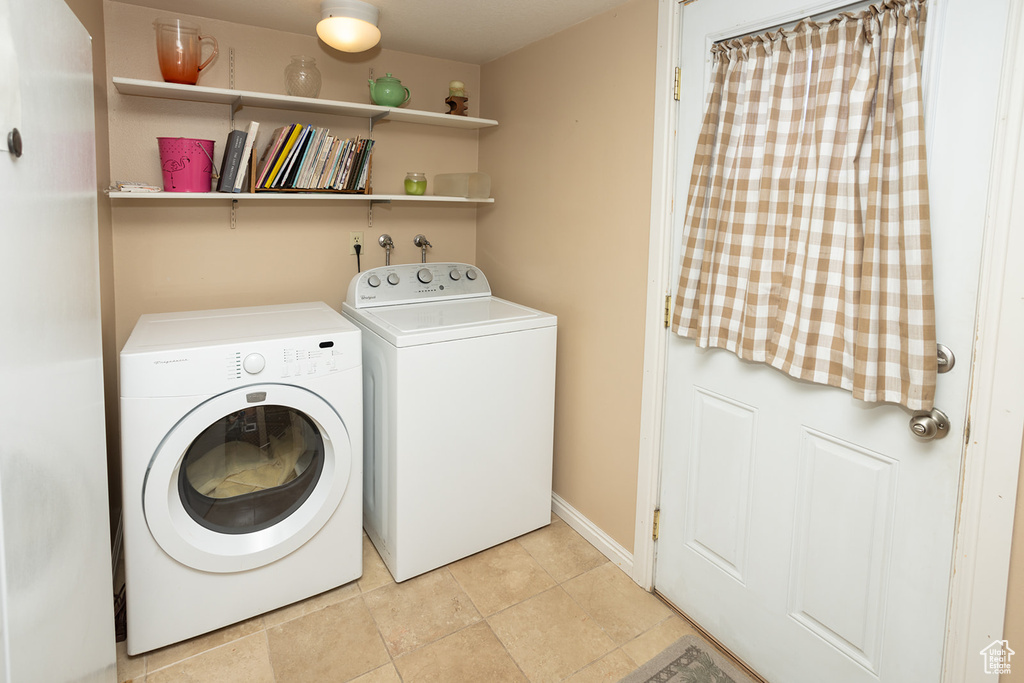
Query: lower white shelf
[294, 196]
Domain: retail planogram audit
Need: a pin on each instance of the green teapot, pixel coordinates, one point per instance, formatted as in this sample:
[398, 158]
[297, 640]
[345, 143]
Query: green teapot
[388, 91]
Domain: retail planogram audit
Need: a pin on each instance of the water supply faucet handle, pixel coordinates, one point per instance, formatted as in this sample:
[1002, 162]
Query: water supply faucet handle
[421, 242]
[388, 244]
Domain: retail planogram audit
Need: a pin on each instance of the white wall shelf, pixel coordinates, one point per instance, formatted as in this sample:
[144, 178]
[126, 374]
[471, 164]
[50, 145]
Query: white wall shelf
[293, 196]
[244, 98]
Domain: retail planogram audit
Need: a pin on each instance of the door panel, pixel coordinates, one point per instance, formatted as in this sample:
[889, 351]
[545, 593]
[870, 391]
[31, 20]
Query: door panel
[719, 490]
[842, 544]
[809, 532]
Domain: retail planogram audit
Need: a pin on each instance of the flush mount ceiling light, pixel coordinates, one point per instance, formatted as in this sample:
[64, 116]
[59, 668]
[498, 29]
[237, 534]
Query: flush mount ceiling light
[348, 25]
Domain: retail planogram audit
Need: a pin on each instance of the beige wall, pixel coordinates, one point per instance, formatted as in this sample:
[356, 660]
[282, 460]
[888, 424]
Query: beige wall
[90, 13]
[570, 167]
[173, 255]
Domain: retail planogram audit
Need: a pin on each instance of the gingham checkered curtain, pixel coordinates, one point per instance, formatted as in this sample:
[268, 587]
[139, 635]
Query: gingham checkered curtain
[806, 242]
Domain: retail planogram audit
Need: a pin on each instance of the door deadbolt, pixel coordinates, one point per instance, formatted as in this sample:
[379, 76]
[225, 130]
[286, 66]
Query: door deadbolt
[14, 142]
[946, 359]
[931, 425]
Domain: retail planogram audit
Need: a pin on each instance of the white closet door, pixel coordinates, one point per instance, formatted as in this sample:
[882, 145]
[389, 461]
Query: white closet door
[55, 577]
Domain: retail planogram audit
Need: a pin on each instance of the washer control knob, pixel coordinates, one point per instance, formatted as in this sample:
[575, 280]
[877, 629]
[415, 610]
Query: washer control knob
[373, 281]
[471, 274]
[254, 363]
[393, 279]
[424, 275]
[455, 274]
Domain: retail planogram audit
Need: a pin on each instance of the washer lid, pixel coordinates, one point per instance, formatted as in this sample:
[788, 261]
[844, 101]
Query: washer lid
[440, 321]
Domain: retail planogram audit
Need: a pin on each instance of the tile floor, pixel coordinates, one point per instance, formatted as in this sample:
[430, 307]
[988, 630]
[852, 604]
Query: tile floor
[543, 607]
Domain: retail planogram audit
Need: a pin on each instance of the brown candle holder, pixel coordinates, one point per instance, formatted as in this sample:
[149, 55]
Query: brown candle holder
[456, 105]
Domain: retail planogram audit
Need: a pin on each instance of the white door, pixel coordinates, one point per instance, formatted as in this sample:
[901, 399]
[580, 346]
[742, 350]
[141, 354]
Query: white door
[807, 531]
[56, 591]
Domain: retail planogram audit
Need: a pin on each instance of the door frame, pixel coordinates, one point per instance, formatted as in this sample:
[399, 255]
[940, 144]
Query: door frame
[992, 457]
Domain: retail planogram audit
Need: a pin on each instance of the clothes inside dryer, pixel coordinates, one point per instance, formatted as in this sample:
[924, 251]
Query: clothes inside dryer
[251, 469]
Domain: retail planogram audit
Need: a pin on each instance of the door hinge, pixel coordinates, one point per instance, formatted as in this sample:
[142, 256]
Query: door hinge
[675, 88]
[657, 523]
[668, 309]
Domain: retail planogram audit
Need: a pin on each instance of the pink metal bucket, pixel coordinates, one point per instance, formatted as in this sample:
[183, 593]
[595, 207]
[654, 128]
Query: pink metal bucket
[187, 164]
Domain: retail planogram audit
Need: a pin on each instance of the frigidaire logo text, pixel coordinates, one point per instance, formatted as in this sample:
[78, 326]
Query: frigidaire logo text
[168, 362]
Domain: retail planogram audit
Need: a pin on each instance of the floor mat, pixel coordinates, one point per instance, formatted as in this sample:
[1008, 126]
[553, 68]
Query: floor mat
[688, 660]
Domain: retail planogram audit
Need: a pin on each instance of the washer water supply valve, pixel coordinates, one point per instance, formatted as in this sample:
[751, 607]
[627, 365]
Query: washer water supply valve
[388, 244]
[421, 242]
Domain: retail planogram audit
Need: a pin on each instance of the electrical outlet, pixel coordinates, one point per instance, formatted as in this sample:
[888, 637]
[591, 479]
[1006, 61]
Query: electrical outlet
[354, 238]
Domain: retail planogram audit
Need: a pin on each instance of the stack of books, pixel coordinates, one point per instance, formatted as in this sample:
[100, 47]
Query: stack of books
[304, 158]
[236, 158]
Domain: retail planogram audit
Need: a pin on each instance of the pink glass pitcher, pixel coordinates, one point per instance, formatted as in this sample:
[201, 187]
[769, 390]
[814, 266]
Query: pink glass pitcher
[179, 49]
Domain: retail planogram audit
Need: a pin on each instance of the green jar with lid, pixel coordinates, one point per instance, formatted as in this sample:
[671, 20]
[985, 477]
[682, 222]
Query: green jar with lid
[415, 183]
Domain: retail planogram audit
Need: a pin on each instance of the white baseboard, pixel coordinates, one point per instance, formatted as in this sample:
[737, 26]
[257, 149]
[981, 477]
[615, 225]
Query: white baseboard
[608, 546]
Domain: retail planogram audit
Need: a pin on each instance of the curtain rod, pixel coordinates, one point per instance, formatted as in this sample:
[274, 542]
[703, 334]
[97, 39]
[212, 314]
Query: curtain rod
[857, 5]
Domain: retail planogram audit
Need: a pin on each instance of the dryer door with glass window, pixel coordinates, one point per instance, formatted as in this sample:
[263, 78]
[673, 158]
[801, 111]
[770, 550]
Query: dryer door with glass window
[247, 477]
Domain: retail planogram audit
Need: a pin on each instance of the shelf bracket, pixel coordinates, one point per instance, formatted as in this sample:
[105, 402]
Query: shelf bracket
[374, 119]
[234, 217]
[369, 212]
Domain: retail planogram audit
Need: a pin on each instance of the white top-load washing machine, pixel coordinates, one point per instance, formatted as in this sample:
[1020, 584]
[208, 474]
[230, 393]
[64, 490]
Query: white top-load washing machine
[458, 401]
[241, 435]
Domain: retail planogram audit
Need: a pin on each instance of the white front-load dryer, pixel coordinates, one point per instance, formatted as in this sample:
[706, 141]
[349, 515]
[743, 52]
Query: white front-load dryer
[241, 435]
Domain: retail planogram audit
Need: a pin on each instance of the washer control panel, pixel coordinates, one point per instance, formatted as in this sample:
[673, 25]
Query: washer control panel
[416, 282]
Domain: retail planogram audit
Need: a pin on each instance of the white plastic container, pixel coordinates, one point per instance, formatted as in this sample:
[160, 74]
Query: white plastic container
[475, 185]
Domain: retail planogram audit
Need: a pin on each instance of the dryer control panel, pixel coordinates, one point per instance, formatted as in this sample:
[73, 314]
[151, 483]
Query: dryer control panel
[268, 360]
[416, 282]
[208, 352]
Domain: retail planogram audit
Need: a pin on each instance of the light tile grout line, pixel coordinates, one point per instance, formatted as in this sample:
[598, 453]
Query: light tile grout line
[203, 652]
[270, 654]
[619, 647]
[504, 609]
[485, 619]
[593, 619]
[383, 640]
[559, 584]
